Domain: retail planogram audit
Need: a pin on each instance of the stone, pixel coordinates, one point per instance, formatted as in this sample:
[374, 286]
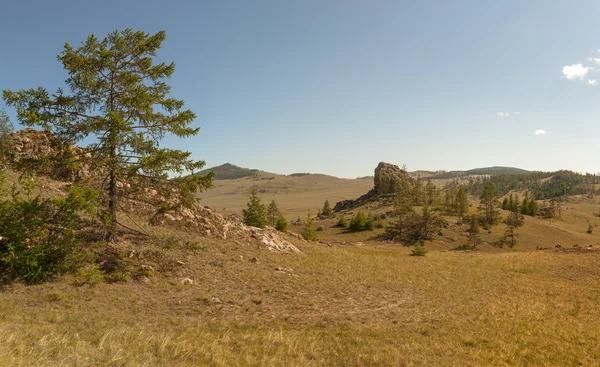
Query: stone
[187, 281]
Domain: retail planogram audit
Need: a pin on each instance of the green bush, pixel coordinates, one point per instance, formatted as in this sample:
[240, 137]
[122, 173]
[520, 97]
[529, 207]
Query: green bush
[281, 224]
[319, 229]
[362, 222]
[308, 232]
[418, 251]
[255, 214]
[342, 222]
[41, 238]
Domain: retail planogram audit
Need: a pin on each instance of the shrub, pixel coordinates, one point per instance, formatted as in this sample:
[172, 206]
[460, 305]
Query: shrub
[342, 222]
[327, 212]
[308, 232]
[319, 229]
[90, 274]
[255, 214]
[41, 238]
[281, 224]
[418, 251]
[361, 222]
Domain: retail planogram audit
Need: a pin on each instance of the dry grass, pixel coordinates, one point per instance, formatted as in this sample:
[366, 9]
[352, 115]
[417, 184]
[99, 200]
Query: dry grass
[294, 195]
[355, 303]
[343, 306]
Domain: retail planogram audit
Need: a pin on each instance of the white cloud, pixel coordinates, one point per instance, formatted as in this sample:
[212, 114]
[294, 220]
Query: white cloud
[517, 113]
[592, 82]
[502, 114]
[540, 132]
[575, 71]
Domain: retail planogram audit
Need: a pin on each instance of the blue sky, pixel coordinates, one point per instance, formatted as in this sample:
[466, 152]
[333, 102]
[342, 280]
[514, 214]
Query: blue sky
[336, 86]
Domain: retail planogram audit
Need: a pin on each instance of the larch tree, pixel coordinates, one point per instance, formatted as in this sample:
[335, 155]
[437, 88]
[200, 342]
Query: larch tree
[489, 204]
[255, 214]
[461, 202]
[272, 213]
[119, 101]
[327, 211]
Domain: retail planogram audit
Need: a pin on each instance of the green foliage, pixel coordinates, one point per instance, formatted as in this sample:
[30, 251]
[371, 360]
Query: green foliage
[272, 213]
[342, 222]
[488, 207]
[474, 237]
[119, 99]
[418, 250]
[362, 222]
[411, 228]
[327, 212]
[41, 238]
[90, 275]
[281, 225]
[255, 214]
[319, 229]
[5, 129]
[461, 202]
[308, 232]
[542, 185]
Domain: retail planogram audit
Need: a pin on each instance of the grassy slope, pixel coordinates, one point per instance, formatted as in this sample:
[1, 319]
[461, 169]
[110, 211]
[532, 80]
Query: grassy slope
[365, 303]
[294, 195]
[339, 306]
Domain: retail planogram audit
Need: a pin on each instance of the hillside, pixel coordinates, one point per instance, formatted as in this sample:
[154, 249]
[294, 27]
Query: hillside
[295, 195]
[496, 170]
[229, 171]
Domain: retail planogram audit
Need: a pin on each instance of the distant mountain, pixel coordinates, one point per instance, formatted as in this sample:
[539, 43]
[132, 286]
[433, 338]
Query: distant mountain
[496, 171]
[229, 171]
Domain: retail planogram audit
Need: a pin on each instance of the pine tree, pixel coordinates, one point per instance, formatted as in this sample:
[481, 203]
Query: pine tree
[309, 232]
[119, 100]
[417, 192]
[326, 212]
[489, 204]
[255, 214]
[511, 203]
[505, 204]
[272, 213]
[432, 192]
[5, 129]
[533, 207]
[474, 237]
[281, 224]
[462, 202]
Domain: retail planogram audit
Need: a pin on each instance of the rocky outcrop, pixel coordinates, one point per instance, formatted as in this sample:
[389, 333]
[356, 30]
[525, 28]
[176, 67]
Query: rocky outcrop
[60, 159]
[204, 221]
[388, 179]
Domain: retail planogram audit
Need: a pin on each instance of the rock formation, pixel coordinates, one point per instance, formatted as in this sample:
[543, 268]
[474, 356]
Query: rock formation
[388, 179]
[38, 145]
[204, 221]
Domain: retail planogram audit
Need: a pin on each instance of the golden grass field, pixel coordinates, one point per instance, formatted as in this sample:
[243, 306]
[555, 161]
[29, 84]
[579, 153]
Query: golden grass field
[294, 195]
[337, 306]
[350, 301]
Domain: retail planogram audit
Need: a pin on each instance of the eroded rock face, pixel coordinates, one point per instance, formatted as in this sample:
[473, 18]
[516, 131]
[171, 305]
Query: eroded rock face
[37, 144]
[389, 179]
[204, 221]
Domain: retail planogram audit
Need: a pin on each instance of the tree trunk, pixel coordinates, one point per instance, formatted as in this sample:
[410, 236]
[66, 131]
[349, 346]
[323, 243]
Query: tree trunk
[111, 233]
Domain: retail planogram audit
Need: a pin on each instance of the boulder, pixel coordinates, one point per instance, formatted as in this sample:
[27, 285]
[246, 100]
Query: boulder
[389, 179]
